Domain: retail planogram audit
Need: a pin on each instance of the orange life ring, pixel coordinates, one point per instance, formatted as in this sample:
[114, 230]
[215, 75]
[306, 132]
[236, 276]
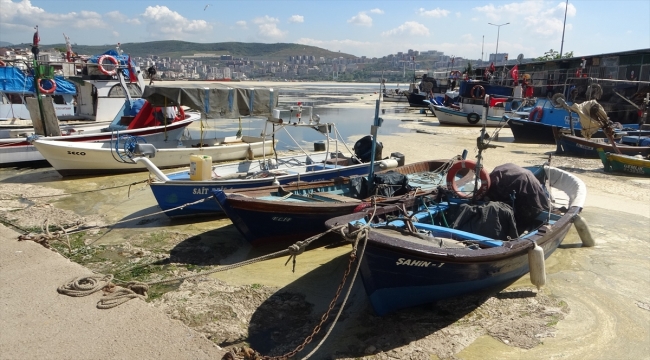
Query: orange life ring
[46, 91]
[471, 165]
[2, 63]
[481, 92]
[100, 65]
[536, 114]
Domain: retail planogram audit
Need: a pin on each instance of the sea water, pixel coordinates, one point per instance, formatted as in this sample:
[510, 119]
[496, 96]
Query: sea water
[352, 123]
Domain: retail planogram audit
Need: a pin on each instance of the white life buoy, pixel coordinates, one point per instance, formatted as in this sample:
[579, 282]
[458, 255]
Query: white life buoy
[112, 59]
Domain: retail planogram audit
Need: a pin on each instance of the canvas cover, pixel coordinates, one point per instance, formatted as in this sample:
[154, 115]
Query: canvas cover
[216, 100]
[530, 197]
[14, 80]
[495, 220]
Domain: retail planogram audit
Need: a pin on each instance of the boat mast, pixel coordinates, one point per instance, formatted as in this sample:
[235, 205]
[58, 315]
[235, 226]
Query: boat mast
[37, 75]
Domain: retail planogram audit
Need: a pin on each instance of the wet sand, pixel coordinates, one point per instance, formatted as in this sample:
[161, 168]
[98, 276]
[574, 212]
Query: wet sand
[604, 291]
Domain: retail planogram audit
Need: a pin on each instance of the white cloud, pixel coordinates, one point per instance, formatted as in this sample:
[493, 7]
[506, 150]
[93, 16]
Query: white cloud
[361, 19]
[545, 19]
[297, 19]
[436, 13]
[268, 28]
[241, 24]
[163, 23]
[376, 11]
[410, 28]
[23, 15]
[266, 20]
[117, 16]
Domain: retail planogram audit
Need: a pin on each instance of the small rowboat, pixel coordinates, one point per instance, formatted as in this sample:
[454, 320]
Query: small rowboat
[624, 163]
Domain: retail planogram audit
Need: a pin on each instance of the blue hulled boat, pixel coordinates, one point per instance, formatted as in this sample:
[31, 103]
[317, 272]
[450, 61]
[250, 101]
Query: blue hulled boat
[297, 211]
[439, 250]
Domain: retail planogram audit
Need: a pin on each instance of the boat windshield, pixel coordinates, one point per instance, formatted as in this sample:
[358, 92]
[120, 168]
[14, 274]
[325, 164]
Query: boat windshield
[118, 92]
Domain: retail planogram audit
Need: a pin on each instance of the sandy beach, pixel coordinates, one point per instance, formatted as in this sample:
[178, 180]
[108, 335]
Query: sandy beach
[595, 305]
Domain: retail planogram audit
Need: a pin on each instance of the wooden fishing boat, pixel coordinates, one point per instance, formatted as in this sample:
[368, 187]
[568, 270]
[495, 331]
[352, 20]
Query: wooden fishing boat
[413, 257]
[624, 163]
[297, 211]
[581, 147]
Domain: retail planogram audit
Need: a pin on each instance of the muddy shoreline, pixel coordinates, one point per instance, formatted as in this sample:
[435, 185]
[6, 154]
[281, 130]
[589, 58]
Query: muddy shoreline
[596, 303]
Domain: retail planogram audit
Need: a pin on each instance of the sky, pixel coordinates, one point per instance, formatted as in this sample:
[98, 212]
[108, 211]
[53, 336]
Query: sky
[370, 28]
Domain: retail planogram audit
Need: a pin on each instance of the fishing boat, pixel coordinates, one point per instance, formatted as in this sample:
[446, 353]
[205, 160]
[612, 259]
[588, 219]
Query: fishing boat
[635, 165]
[450, 247]
[181, 193]
[570, 145]
[536, 125]
[296, 211]
[392, 95]
[89, 89]
[115, 157]
[471, 101]
[22, 150]
[107, 89]
[418, 95]
[16, 85]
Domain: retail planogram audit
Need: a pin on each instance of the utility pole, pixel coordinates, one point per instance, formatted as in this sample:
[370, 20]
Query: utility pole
[566, 7]
[498, 30]
[482, 46]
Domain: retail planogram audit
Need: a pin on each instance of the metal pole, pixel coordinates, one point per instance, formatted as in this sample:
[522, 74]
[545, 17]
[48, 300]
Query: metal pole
[566, 7]
[498, 31]
[482, 46]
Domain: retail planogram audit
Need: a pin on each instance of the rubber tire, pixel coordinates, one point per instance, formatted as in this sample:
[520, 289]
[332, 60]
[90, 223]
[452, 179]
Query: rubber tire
[473, 118]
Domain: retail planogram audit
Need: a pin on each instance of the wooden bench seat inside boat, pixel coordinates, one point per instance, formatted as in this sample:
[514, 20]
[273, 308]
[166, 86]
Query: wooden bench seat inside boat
[339, 198]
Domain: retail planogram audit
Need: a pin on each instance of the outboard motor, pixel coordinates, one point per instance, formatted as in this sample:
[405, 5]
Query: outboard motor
[363, 149]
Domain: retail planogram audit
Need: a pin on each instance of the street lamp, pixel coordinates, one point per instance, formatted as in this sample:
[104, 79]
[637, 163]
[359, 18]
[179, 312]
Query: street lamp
[498, 29]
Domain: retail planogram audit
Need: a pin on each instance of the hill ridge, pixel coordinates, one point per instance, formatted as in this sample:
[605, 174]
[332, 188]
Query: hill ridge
[179, 48]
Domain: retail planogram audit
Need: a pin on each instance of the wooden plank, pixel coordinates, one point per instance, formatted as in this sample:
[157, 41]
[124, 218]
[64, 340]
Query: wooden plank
[335, 197]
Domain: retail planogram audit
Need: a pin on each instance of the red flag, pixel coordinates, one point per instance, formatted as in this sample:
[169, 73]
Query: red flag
[492, 68]
[495, 101]
[514, 73]
[36, 38]
[132, 77]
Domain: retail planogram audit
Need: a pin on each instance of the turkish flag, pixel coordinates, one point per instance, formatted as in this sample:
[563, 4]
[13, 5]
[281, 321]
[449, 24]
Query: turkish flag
[132, 77]
[495, 101]
[492, 68]
[514, 73]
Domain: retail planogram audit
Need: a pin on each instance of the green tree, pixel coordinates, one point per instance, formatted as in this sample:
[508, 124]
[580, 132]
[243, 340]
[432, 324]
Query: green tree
[553, 55]
[468, 69]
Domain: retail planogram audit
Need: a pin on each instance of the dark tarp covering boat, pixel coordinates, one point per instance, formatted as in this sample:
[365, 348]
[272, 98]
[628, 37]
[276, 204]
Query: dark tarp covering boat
[216, 100]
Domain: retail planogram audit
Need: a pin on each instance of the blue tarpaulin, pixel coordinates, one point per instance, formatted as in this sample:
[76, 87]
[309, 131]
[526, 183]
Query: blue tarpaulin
[14, 80]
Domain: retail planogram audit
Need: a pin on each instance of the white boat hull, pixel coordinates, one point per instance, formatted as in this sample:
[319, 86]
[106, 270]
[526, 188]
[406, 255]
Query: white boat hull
[19, 150]
[70, 158]
[449, 116]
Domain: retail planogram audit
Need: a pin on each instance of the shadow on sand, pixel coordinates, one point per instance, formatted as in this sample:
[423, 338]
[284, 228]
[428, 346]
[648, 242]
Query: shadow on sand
[284, 320]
